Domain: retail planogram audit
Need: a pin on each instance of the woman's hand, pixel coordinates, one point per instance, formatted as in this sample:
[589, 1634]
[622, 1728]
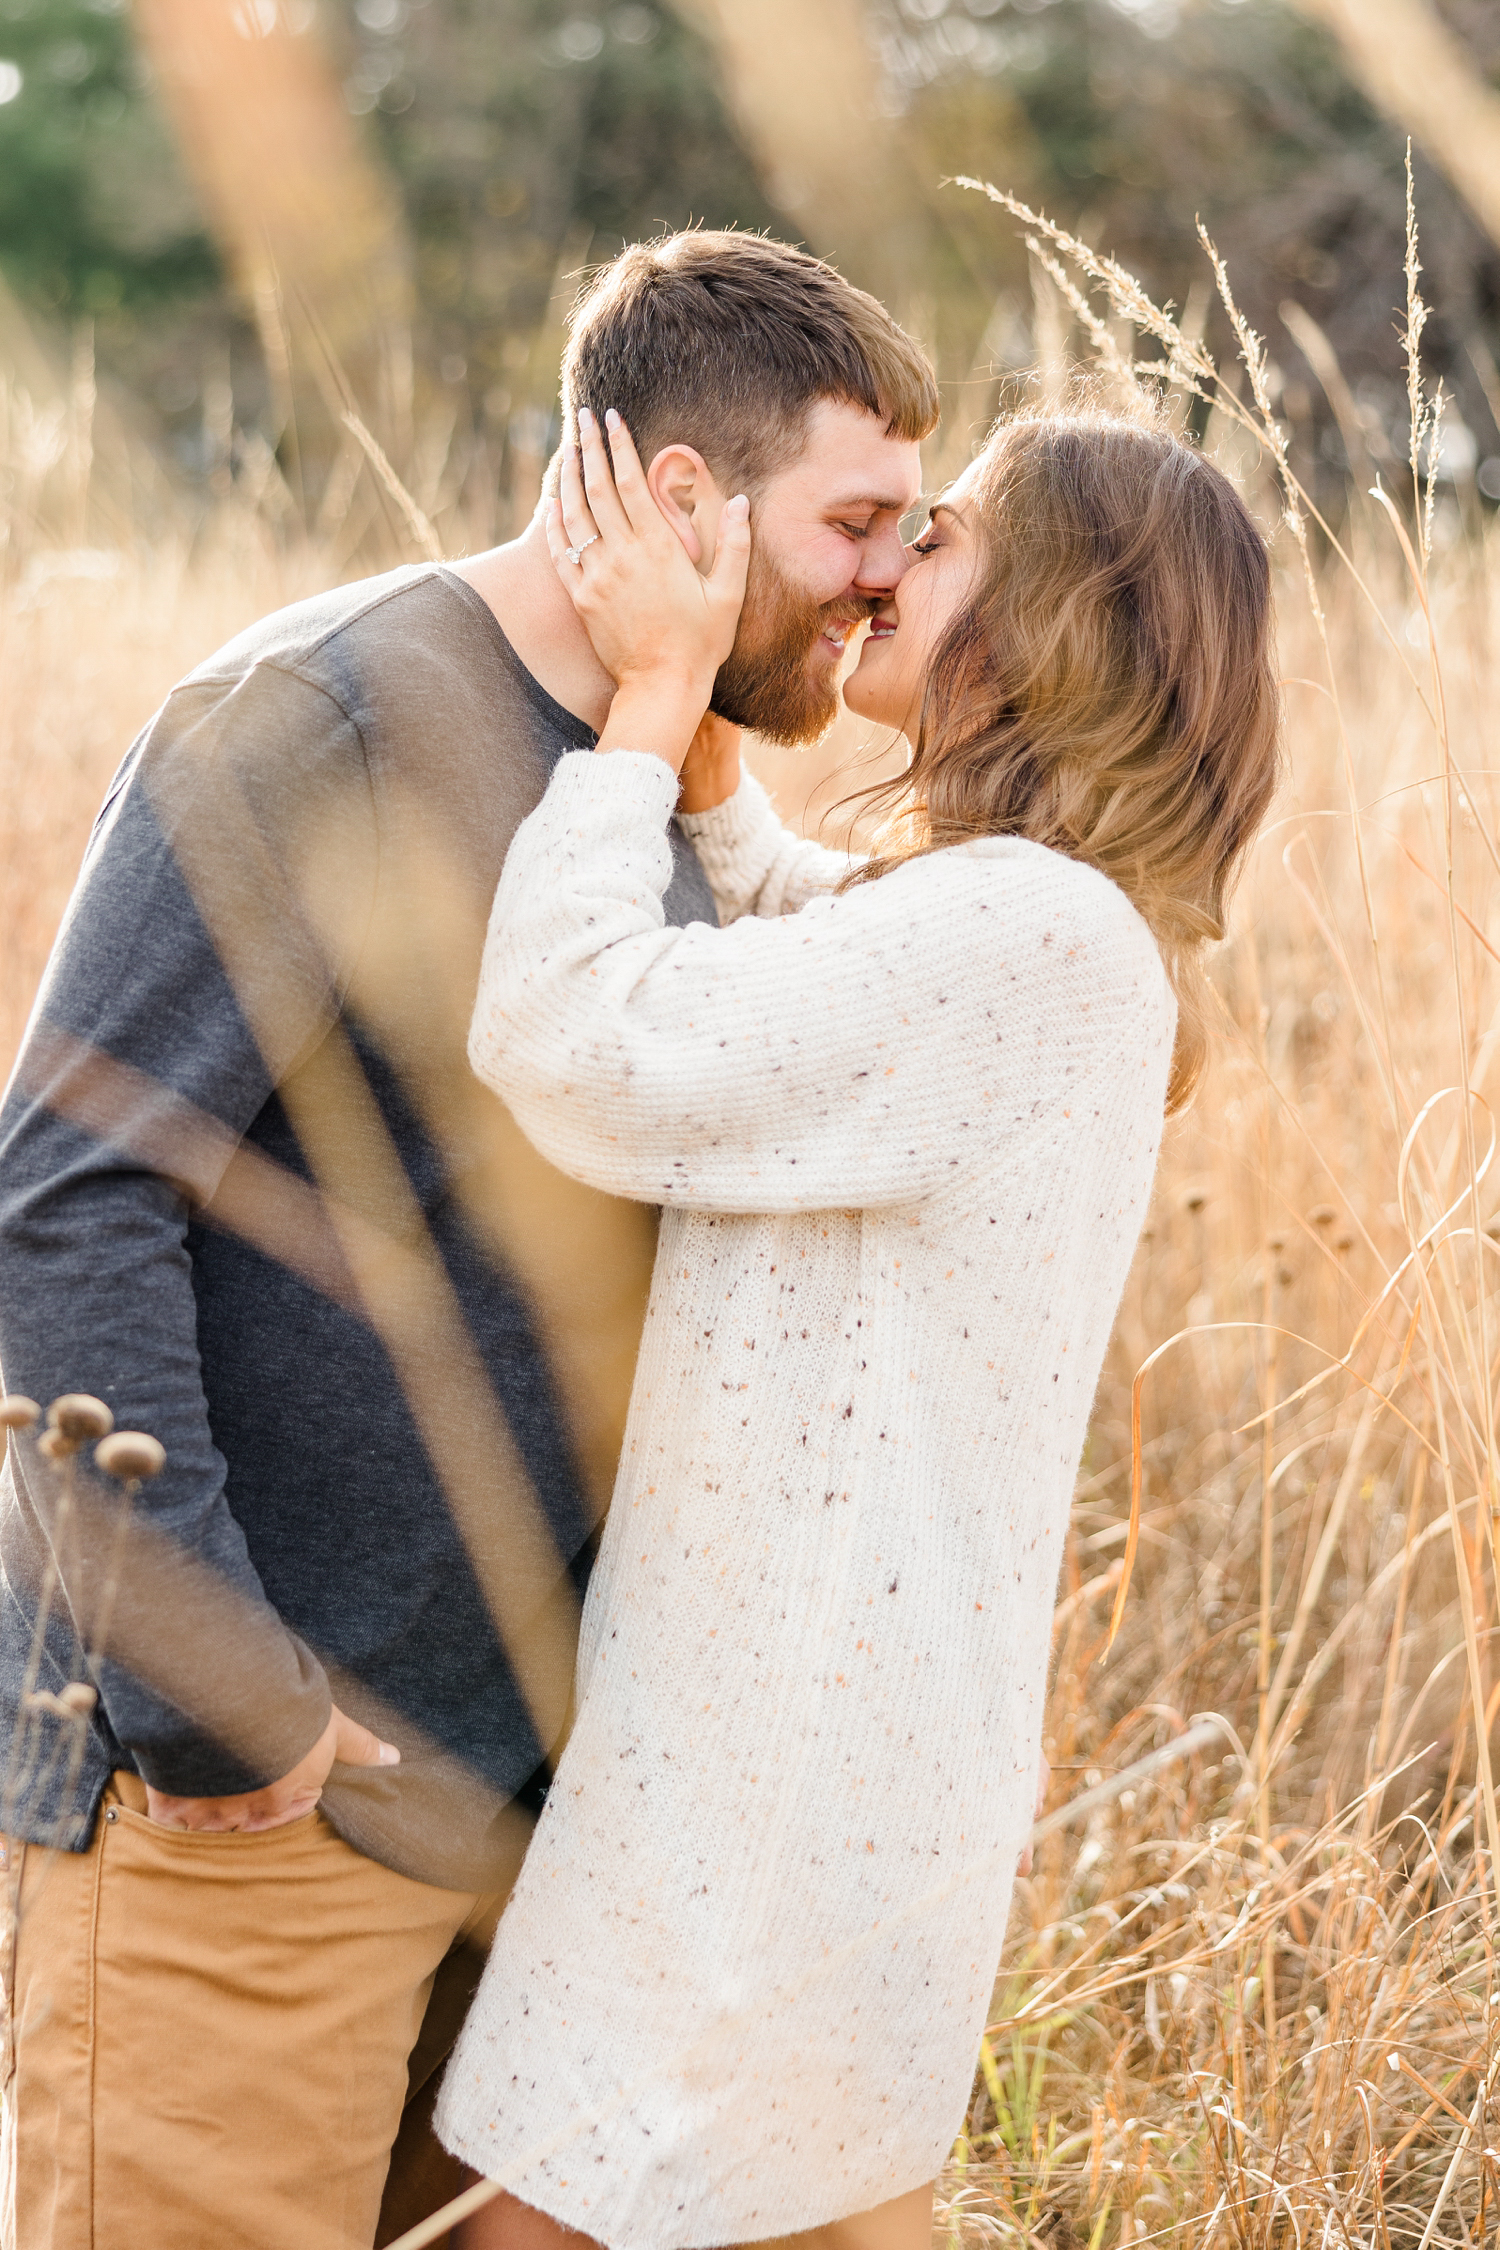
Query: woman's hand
[659, 626]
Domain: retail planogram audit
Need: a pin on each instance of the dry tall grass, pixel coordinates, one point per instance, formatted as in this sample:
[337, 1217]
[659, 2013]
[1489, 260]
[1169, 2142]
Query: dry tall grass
[90, 642]
[1252, 2003]
[1256, 2007]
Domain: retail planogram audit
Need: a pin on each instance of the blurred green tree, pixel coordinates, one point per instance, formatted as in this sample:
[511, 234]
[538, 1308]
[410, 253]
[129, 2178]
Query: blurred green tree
[95, 218]
[526, 137]
[532, 139]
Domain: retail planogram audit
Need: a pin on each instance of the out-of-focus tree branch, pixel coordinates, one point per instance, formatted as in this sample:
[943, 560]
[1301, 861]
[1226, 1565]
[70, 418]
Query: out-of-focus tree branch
[1412, 67]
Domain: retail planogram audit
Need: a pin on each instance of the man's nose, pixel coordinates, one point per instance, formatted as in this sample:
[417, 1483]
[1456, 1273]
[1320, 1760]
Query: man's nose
[883, 561]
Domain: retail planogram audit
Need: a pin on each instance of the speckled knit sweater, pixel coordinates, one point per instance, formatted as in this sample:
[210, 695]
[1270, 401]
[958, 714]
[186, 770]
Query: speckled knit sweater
[904, 1139]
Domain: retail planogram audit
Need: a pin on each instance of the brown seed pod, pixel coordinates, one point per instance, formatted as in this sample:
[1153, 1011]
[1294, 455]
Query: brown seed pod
[130, 1454]
[1322, 1214]
[18, 1412]
[78, 1417]
[53, 1446]
[76, 1701]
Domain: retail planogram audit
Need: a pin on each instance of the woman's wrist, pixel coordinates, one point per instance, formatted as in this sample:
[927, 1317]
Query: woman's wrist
[711, 771]
[659, 712]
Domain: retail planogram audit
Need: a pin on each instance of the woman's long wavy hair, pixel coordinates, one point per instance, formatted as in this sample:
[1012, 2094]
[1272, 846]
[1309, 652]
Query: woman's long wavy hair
[1109, 689]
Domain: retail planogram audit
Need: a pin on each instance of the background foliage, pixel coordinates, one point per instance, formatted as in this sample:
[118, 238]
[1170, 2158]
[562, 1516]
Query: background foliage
[529, 138]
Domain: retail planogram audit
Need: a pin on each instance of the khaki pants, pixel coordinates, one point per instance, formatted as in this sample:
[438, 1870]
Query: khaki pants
[216, 2042]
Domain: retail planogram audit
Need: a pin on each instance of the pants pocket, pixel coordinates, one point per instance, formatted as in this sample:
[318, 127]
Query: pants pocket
[180, 1844]
[267, 1989]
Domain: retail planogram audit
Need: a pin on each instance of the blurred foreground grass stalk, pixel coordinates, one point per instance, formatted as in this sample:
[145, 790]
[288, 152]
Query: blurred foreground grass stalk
[1253, 2003]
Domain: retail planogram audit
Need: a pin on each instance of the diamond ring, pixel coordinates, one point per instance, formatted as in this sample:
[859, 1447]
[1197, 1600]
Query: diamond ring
[575, 554]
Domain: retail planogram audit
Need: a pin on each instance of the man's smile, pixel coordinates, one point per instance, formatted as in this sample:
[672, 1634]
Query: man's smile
[835, 631]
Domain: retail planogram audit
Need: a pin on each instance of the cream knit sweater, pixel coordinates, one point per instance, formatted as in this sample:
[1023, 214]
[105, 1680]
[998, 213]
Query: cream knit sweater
[904, 1140]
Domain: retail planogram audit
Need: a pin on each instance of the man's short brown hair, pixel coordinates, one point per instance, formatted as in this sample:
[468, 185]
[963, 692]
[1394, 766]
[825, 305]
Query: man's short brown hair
[724, 342]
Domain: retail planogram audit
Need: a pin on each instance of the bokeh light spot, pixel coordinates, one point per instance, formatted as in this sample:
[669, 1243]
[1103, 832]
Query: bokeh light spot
[580, 39]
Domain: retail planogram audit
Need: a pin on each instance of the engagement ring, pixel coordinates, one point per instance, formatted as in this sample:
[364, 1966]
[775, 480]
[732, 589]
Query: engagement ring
[575, 554]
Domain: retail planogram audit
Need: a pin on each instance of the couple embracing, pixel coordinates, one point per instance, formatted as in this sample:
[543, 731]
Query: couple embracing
[747, 1884]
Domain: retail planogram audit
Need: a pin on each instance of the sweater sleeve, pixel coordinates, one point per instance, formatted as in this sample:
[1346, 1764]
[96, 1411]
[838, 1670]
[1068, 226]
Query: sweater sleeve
[755, 864]
[867, 1051]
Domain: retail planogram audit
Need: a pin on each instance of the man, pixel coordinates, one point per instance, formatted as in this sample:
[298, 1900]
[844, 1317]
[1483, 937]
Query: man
[252, 1199]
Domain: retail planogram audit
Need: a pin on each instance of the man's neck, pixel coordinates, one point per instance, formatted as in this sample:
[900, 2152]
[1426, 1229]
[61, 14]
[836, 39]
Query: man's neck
[520, 583]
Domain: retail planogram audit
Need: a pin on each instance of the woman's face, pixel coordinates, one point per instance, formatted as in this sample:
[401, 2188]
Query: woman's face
[887, 683]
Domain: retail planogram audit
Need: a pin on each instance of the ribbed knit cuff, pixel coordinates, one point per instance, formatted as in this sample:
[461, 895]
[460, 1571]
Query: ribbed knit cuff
[725, 827]
[725, 836]
[637, 781]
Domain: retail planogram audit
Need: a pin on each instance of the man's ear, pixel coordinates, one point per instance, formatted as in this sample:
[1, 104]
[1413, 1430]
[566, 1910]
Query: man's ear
[682, 485]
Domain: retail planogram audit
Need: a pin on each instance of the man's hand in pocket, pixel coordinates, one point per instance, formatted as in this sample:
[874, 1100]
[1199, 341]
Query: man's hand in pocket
[342, 1741]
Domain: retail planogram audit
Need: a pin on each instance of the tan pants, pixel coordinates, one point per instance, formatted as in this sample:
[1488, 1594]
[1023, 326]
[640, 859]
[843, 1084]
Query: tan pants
[213, 2040]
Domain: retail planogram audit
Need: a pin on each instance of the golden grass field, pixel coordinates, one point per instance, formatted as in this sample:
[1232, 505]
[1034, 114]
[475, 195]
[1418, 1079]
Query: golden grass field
[1250, 2000]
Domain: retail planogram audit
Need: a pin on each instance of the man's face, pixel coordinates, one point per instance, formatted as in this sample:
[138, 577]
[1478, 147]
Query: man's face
[827, 552]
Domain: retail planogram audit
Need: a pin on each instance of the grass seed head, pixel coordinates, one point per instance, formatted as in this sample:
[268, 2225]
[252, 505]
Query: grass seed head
[130, 1454]
[76, 1417]
[79, 1697]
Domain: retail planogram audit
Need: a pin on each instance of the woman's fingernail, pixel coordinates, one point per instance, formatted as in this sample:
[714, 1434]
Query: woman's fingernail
[739, 508]
[389, 1754]
[585, 419]
[611, 420]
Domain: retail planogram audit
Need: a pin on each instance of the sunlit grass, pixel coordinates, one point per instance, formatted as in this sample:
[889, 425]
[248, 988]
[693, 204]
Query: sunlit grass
[1256, 2005]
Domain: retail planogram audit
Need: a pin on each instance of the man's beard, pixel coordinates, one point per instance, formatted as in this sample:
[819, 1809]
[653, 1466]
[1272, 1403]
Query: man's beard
[766, 683]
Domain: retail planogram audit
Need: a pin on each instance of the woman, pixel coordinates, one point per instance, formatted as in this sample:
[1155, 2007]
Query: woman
[902, 1118]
